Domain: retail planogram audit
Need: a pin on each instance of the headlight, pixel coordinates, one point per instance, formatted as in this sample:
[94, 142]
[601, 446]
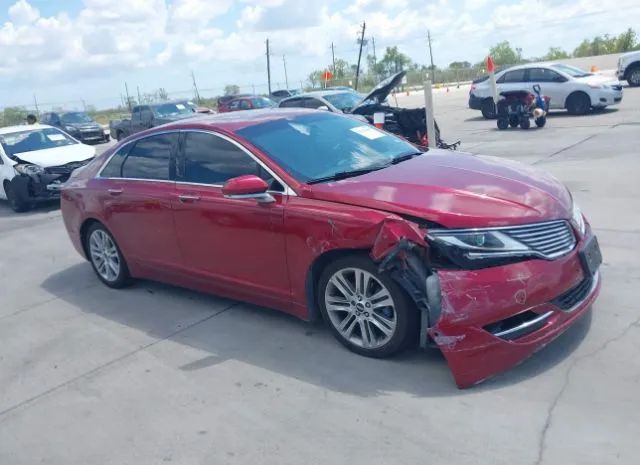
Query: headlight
[578, 219]
[476, 244]
[28, 169]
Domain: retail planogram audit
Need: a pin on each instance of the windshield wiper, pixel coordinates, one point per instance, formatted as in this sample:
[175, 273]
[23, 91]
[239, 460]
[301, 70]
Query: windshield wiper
[406, 157]
[346, 174]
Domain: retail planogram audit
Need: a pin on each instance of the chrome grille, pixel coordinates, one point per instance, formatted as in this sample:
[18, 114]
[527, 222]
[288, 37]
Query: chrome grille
[551, 239]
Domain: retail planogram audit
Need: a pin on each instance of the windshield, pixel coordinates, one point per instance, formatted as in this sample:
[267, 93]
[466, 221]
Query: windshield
[32, 140]
[262, 102]
[571, 70]
[76, 117]
[344, 101]
[314, 146]
[174, 109]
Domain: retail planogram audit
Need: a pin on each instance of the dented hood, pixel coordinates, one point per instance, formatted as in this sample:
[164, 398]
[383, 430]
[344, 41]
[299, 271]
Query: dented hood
[58, 155]
[455, 190]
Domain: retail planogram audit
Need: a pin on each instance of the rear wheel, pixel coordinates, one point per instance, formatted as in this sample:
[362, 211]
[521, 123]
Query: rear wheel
[119, 136]
[503, 123]
[633, 76]
[513, 121]
[578, 103]
[17, 205]
[488, 108]
[366, 310]
[525, 123]
[106, 258]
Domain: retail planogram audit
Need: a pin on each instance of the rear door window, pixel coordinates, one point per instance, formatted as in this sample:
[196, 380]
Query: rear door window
[292, 103]
[544, 75]
[150, 158]
[512, 76]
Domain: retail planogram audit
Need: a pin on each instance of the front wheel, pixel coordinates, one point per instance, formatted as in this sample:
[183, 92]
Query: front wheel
[541, 121]
[366, 310]
[17, 205]
[578, 104]
[633, 77]
[106, 258]
[503, 123]
[525, 123]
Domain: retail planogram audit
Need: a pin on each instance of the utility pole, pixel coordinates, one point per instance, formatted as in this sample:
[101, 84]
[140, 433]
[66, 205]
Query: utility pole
[286, 79]
[35, 102]
[373, 42]
[195, 87]
[364, 25]
[333, 56]
[268, 69]
[433, 70]
[139, 97]
[126, 88]
[84, 105]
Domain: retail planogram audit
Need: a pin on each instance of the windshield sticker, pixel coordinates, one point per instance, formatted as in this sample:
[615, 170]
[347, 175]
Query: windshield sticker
[301, 128]
[368, 132]
[180, 106]
[56, 137]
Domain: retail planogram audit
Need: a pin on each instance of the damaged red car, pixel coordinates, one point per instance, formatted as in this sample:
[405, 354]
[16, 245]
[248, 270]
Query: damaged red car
[321, 215]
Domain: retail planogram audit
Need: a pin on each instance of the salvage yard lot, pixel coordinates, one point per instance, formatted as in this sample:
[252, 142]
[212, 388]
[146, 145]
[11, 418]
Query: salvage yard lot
[155, 374]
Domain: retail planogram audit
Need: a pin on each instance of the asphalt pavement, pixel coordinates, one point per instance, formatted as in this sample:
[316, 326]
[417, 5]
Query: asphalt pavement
[155, 374]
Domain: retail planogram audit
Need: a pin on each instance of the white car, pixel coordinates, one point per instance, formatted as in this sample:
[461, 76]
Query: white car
[569, 88]
[629, 68]
[35, 161]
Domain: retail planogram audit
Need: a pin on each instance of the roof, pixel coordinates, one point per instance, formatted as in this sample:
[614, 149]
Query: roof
[22, 127]
[236, 120]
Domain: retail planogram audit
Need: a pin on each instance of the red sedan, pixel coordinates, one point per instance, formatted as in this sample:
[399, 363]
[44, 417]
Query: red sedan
[245, 102]
[315, 213]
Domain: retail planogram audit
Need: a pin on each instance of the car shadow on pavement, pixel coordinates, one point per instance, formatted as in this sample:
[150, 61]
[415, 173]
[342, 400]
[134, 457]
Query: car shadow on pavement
[44, 207]
[565, 114]
[280, 343]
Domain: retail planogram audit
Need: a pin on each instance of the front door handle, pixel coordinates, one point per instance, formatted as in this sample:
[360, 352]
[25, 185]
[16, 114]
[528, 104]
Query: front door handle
[115, 192]
[188, 198]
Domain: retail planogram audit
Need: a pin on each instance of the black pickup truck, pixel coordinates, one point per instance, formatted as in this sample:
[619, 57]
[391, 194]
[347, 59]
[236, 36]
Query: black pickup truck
[152, 115]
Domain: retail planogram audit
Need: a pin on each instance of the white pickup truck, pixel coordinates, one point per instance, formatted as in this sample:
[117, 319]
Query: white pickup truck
[629, 68]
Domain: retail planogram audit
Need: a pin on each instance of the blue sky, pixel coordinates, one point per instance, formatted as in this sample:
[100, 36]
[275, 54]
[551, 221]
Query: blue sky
[66, 51]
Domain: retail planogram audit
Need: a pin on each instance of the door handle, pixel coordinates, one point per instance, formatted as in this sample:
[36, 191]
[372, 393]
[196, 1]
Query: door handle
[188, 198]
[115, 191]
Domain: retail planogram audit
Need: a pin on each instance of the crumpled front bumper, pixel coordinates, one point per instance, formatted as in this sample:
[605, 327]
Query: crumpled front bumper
[473, 301]
[38, 187]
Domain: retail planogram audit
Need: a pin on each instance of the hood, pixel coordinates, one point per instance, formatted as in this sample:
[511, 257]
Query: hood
[380, 92]
[598, 79]
[91, 125]
[455, 190]
[58, 155]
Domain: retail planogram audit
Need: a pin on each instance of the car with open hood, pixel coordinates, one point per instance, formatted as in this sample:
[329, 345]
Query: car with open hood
[321, 215]
[409, 123]
[35, 161]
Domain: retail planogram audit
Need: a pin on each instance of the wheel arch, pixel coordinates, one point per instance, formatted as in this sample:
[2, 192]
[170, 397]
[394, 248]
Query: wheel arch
[630, 67]
[314, 273]
[84, 228]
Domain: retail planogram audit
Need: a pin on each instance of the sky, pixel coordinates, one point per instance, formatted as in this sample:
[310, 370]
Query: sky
[68, 51]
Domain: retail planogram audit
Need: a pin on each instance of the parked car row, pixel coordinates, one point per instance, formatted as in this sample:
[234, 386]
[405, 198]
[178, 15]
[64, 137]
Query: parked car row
[568, 88]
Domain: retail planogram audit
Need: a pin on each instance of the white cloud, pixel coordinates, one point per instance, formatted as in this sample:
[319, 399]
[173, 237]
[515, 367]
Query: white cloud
[22, 12]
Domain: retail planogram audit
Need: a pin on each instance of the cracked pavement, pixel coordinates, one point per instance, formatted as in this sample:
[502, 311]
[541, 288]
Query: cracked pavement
[156, 374]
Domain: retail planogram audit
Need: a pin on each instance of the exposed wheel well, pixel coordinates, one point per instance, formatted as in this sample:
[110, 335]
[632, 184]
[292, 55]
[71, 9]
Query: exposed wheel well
[313, 276]
[83, 233]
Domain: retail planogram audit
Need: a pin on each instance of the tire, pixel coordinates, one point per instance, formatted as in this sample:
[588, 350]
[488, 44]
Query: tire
[387, 330]
[119, 136]
[16, 204]
[540, 122]
[107, 139]
[578, 103]
[525, 122]
[503, 123]
[106, 258]
[488, 109]
[633, 76]
[513, 121]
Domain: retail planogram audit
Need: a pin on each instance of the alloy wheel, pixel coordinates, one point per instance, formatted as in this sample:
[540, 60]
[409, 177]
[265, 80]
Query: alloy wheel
[361, 308]
[104, 255]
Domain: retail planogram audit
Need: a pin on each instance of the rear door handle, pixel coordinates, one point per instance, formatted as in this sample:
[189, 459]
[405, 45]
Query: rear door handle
[188, 198]
[115, 191]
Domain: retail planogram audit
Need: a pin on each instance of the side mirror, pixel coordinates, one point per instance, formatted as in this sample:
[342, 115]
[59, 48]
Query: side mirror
[323, 108]
[247, 187]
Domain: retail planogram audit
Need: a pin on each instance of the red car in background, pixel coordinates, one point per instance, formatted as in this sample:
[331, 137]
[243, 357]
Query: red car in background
[315, 213]
[244, 102]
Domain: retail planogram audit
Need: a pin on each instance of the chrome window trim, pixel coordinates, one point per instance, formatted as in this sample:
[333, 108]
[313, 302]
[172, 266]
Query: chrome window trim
[287, 189]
